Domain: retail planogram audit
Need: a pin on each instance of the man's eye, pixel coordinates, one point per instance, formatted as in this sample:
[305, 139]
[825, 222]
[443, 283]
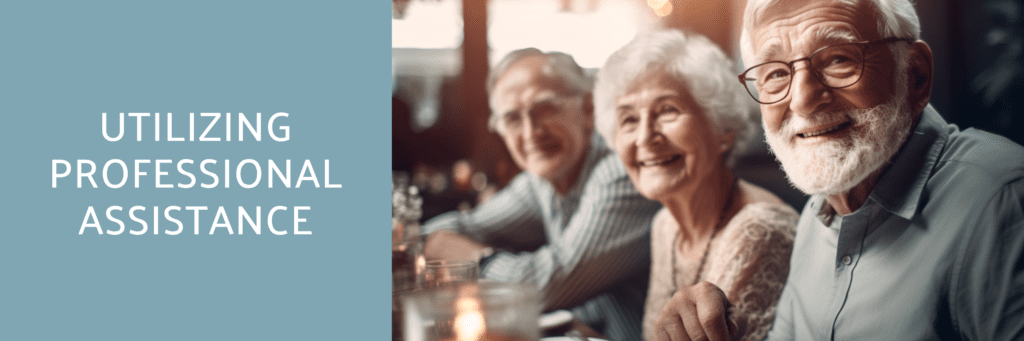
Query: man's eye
[544, 110]
[839, 60]
[838, 57]
[511, 118]
[777, 74]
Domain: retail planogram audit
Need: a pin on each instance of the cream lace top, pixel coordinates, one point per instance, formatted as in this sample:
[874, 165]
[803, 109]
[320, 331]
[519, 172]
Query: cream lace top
[748, 259]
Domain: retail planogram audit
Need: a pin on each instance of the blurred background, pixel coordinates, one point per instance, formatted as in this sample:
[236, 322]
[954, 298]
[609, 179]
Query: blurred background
[442, 49]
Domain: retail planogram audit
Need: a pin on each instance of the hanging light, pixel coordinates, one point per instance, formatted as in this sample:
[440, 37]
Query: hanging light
[656, 4]
[661, 7]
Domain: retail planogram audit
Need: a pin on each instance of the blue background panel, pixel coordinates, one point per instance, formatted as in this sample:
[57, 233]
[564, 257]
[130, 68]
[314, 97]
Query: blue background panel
[65, 63]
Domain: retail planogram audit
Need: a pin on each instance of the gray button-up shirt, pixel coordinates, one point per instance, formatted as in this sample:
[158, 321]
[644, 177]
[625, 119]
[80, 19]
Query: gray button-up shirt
[934, 253]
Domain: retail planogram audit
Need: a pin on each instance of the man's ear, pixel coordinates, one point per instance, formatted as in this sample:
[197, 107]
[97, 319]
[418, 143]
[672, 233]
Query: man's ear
[919, 76]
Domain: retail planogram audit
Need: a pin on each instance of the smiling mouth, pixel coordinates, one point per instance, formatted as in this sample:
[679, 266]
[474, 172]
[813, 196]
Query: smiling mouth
[543, 148]
[828, 130]
[659, 162]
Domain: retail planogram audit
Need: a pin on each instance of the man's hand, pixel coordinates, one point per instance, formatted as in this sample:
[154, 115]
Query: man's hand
[696, 312]
[449, 245]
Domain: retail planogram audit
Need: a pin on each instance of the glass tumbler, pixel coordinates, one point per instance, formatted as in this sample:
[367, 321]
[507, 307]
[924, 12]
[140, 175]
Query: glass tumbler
[486, 311]
[445, 272]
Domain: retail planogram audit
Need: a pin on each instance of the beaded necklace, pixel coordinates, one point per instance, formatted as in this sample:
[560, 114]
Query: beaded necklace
[704, 258]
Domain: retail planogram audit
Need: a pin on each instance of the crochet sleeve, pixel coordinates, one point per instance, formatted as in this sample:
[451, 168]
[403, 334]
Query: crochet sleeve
[752, 263]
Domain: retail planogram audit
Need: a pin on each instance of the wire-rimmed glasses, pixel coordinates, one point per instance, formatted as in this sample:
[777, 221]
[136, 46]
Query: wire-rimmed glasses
[837, 66]
[539, 112]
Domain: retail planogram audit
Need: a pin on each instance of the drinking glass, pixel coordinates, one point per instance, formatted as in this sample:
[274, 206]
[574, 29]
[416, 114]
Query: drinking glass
[485, 311]
[443, 272]
[406, 262]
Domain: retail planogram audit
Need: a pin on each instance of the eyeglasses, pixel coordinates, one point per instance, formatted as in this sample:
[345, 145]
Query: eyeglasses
[836, 66]
[538, 113]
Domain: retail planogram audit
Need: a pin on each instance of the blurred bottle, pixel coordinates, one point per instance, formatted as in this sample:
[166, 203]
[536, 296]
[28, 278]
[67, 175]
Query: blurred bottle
[406, 245]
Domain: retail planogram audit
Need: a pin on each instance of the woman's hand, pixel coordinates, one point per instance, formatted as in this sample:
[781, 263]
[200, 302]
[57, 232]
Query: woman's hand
[697, 312]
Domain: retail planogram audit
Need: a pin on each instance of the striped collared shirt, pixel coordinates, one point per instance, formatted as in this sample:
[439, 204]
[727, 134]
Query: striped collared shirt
[588, 249]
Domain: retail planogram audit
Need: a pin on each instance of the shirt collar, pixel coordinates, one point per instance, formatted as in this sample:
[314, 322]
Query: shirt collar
[825, 212]
[595, 153]
[899, 188]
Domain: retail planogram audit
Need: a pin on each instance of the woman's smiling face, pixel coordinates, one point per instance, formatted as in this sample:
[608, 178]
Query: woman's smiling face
[664, 138]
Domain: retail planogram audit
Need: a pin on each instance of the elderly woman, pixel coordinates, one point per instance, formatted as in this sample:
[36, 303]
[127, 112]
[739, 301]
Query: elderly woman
[668, 103]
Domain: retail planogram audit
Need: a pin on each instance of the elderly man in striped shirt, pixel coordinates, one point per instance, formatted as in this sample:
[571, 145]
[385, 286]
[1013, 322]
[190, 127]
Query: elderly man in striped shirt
[571, 223]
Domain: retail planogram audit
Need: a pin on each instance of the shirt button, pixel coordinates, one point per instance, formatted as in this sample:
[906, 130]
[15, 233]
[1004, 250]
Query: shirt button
[847, 260]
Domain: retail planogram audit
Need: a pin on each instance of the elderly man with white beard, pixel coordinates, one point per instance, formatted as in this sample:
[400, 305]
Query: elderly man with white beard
[915, 229]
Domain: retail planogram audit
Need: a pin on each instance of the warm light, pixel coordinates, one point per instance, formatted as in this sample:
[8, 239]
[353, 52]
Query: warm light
[516, 24]
[656, 4]
[429, 25]
[462, 173]
[421, 264]
[469, 322]
[664, 9]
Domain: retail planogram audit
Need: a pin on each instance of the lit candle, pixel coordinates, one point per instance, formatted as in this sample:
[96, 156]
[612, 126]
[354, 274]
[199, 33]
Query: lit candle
[469, 322]
[421, 263]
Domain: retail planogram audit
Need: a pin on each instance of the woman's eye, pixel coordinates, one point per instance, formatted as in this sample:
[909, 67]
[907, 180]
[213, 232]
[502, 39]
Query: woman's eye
[668, 112]
[628, 120]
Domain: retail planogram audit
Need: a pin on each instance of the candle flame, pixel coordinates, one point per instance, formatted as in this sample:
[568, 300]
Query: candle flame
[469, 323]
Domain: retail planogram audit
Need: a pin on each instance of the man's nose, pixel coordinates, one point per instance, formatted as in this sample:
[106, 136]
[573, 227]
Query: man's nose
[807, 91]
[532, 126]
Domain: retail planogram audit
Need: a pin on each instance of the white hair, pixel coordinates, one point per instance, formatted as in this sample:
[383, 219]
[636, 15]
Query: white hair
[560, 67]
[837, 167]
[896, 18]
[690, 59]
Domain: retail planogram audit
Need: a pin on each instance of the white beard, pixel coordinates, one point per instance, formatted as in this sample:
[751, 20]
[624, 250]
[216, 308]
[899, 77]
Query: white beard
[836, 166]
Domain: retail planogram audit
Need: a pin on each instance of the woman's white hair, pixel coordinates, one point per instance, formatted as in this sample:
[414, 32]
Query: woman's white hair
[896, 18]
[691, 60]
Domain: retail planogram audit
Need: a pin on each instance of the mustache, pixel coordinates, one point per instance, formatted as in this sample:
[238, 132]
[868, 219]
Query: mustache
[793, 124]
[541, 144]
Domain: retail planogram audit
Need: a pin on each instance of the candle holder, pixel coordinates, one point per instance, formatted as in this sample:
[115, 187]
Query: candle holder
[486, 311]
